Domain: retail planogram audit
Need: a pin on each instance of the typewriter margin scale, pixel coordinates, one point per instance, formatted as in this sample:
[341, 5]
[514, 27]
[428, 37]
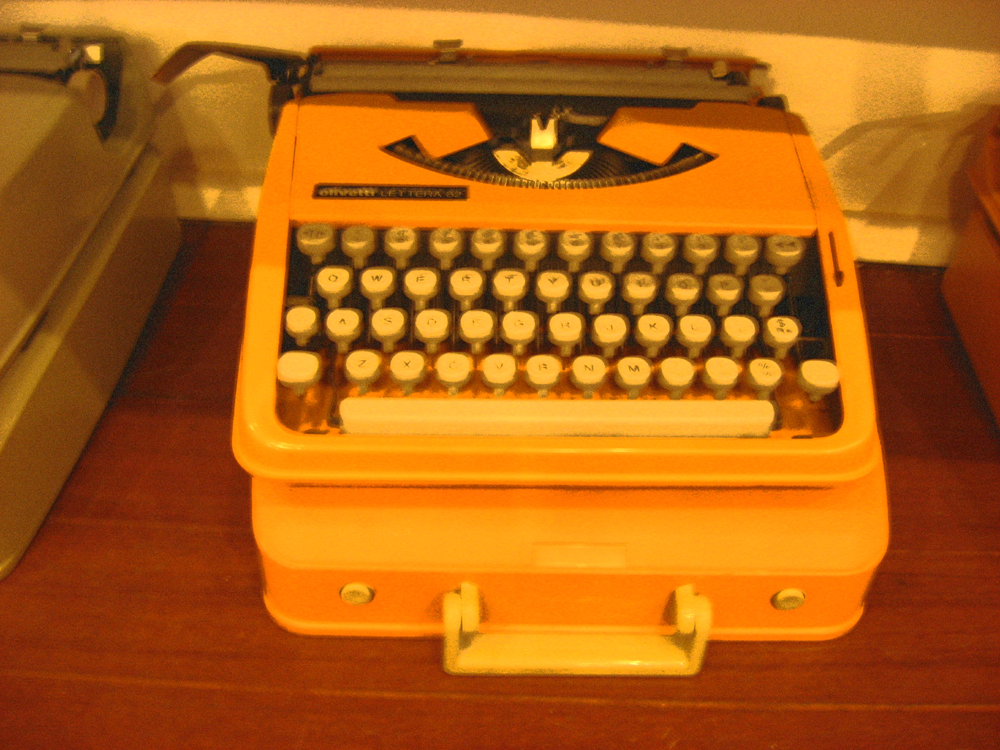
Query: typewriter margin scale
[557, 555]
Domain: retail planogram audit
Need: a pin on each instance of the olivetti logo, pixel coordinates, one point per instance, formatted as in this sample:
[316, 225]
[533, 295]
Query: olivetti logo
[392, 192]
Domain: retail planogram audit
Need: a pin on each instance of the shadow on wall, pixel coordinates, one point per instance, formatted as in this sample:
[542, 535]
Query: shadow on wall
[910, 172]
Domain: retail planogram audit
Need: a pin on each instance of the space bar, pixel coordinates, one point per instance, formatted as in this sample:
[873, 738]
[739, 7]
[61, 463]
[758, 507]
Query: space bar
[373, 415]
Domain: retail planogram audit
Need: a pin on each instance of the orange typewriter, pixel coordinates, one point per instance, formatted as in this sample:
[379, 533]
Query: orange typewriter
[559, 357]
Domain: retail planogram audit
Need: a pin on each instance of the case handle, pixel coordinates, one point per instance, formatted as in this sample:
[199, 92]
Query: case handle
[468, 652]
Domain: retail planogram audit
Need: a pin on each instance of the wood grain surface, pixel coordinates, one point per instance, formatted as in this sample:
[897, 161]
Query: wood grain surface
[135, 619]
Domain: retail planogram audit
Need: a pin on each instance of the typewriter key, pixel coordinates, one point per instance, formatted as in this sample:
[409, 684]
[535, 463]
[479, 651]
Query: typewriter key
[542, 372]
[362, 368]
[596, 289]
[315, 240]
[530, 245]
[445, 244]
[682, 290]
[766, 290]
[632, 375]
[566, 331]
[587, 373]
[334, 283]
[487, 245]
[675, 374]
[358, 242]
[781, 333]
[401, 245]
[574, 248]
[658, 249]
[738, 332]
[343, 327]
[700, 250]
[453, 370]
[302, 323]
[466, 285]
[694, 332]
[499, 372]
[609, 332]
[408, 369]
[720, 375]
[617, 248]
[783, 252]
[741, 251]
[818, 377]
[652, 332]
[299, 370]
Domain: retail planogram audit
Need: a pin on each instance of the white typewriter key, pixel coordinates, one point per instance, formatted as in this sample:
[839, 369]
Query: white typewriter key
[566, 331]
[587, 373]
[302, 323]
[499, 372]
[299, 370]
[343, 327]
[421, 285]
[720, 375]
[658, 249]
[377, 285]
[552, 288]
[408, 369]
[453, 370]
[617, 248]
[737, 333]
[530, 245]
[780, 333]
[639, 289]
[519, 329]
[431, 327]
[362, 368]
[509, 286]
[700, 250]
[388, 326]
[401, 244]
[682, 290]
[741, 251]
[609, 332]
[783, 252]
[445, 244]
[476, 327]
[466, 285]
[632, 375]
[764, 375]
[652, 332]
[314, 240]
[357, 243]
[542, 372]
[675, 374]
[334, 283]
[694, 332]
[765, 291]
[724, 290]
[596, 289]
[818, 377]
[487, 245]
[574, 248]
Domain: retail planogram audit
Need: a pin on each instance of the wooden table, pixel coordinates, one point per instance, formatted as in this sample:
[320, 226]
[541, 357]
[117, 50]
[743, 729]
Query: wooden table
[135, 619]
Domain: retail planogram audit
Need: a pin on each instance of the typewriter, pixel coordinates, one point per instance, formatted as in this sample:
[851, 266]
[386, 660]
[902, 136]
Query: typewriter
[558, 356]
[87, 226]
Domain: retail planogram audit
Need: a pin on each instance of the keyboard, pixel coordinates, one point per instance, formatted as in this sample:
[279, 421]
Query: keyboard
[403, 330]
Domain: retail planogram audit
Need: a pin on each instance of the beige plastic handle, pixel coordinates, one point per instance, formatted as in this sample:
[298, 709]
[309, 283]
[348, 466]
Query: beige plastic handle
[469, 652]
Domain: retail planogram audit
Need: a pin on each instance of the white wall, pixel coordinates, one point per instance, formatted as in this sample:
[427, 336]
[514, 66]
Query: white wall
[894, 91]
